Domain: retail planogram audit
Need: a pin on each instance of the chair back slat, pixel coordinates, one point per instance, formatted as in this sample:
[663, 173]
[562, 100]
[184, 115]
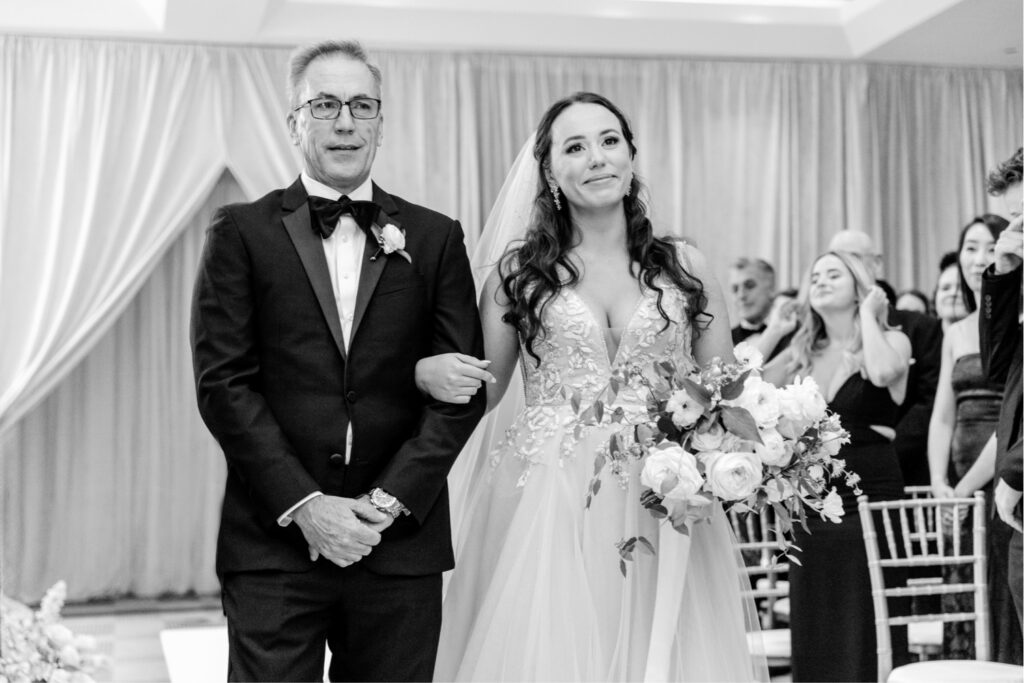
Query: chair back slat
[890, 537]
[924, 543]
[759, 536]
[906, 532]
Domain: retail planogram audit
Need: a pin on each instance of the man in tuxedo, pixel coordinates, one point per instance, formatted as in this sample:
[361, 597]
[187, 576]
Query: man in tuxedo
[752, 285]
[311, 308]
[925, 334]
[999, 327]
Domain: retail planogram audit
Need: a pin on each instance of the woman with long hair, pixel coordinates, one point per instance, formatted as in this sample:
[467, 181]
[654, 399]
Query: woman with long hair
[961, 445]
[861, 366]
[587, 291]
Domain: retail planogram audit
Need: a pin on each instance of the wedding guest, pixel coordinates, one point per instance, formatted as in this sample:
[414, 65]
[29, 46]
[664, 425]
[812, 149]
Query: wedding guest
[949, 301]
[783, 318]
[861, 366]
[752, 285]
[963, 421]
[913, 300]
[311, 307]
[1001, 353]
[925, 334]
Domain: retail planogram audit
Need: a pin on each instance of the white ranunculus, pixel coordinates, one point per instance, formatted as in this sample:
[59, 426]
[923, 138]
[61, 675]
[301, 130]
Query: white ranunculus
[69, 656]
[802, 401]
[393, 239]
[671, 472]
[760, 400]
[832, 507]
[748, 354]
[684, 408]
[711, 440]
[816, 472]
[732, 476]
[773, 449]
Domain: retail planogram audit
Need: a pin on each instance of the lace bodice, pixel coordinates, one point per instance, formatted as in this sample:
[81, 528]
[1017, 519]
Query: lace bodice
[575, 354]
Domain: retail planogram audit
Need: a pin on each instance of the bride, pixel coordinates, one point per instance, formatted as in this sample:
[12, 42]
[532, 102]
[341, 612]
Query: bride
[538, 593]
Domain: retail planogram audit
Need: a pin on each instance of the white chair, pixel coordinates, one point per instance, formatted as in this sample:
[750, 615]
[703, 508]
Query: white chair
[920, 544]
[757, 541]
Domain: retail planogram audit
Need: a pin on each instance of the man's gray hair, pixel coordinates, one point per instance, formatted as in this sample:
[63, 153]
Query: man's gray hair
[764, 270]
[304, 56]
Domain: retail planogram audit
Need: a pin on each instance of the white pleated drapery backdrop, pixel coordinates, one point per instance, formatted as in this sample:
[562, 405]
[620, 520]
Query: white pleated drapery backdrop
[114, 154]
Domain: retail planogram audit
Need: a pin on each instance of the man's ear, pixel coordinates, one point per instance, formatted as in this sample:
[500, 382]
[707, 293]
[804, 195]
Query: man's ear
[293, 128]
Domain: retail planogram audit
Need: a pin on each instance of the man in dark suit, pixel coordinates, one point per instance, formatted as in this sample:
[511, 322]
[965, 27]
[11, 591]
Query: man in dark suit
[999, 327]
[925, 334]
[311, 307]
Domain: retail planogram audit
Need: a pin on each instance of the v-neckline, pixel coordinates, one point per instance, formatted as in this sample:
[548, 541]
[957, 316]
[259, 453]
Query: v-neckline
[612, 359]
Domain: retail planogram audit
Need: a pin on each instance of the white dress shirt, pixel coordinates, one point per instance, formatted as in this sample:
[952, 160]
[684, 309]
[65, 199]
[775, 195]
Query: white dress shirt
[344, 253]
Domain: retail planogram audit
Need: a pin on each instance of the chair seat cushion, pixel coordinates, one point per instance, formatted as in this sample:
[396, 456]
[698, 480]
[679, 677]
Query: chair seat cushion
[956, 670]
[925, 633]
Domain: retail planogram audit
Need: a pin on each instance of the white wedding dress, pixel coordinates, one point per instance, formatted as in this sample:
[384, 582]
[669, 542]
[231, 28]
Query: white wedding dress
[537, 594]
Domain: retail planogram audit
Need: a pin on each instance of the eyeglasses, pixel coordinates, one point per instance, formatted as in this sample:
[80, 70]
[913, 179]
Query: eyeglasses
[329, 108]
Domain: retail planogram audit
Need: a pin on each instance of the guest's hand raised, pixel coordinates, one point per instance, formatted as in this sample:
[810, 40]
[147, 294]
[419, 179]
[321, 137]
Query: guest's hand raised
[337, 528]
[1009, 249]
[452, 377]
[783, 319]
[874, 305]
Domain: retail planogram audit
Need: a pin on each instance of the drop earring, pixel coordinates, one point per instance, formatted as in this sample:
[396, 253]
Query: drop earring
[553, 186]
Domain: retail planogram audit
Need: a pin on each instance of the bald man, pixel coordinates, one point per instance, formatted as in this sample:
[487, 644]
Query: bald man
[925, 333]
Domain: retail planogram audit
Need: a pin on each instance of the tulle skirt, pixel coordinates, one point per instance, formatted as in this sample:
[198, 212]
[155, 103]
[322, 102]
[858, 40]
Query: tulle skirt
[538, 592]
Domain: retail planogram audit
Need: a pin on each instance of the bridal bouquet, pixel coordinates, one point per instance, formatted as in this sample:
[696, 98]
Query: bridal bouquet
[35, 646]
[721, 433]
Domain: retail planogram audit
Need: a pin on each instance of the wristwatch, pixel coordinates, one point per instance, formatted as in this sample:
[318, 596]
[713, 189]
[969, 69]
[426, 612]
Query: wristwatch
[385, 502]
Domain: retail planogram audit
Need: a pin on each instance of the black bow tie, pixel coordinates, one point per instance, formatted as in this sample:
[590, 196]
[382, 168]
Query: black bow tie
[326, 212]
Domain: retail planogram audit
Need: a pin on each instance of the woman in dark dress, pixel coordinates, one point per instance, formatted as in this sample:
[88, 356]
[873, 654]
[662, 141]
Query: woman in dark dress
[861, 367]
[963, 421]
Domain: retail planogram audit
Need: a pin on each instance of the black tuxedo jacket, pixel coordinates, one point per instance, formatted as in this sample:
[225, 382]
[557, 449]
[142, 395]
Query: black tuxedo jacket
[278, 389]
[1001, 356]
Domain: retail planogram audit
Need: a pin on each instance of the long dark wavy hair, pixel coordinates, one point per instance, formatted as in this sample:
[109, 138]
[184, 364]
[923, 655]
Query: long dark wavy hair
[995, 224]
[535, 270]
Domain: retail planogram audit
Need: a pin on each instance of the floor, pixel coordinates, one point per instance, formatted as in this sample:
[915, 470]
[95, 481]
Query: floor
[128, 633]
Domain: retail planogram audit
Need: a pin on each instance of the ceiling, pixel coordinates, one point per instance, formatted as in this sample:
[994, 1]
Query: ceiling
[953, 32]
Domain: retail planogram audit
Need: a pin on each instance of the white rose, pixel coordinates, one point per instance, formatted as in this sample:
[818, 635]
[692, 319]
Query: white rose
[672, 473]
[393, 239]
[816, 473]
[747, 354]
[760, 400]
[60, 635]
[801, 401]
[732, 476]
[684, 409]
[710, 440]
[773, 449]
[59, 676]
[832, 507]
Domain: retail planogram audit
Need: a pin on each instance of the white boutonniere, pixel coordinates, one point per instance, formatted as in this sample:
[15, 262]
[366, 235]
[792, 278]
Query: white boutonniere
[391, 239]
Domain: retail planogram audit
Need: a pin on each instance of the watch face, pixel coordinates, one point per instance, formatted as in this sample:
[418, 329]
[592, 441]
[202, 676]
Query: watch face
[381, 498]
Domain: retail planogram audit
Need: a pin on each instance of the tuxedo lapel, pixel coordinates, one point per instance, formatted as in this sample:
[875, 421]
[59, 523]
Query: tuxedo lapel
[371, 271]
[310, 247]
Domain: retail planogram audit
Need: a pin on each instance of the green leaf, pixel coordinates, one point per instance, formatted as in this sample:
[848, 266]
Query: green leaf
[587, 415]
[613, 445]
[622, 568]
[733, 389]
[598, 464]
[680, 526]
[619, 415]
[589, 498]
[575, 400]
[658, 511]
[740, 422]
[697, 391]
[596, 486]
[599, 411]
[646, 545]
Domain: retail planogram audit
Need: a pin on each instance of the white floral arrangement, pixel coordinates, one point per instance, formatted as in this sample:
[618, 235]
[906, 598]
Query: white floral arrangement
[35, 646]
[721, 433]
